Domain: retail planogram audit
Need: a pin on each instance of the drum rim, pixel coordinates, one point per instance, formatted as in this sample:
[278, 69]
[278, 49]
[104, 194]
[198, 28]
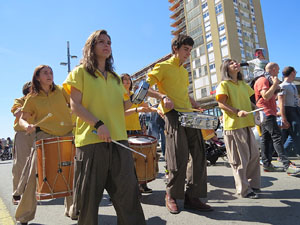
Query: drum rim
[142, 135]
[54, 139]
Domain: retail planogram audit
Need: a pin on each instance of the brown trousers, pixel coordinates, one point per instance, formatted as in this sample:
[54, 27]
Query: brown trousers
[243, 156]
[27, 186]
[180, 142]
[106, 166]
[21, 151]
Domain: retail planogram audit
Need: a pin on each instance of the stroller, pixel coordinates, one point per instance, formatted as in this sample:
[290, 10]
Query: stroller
[215, 150]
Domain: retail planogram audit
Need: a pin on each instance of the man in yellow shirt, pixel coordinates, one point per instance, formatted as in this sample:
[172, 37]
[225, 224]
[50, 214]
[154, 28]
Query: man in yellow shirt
[172, 80]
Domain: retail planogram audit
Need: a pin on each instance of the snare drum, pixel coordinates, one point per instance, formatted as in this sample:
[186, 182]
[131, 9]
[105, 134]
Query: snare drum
[140, 94]
[146, 168]
[55, 167]
[198, 120]
[207, 134]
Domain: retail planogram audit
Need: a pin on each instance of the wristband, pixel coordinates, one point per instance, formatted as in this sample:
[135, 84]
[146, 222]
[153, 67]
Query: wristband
[98, 124]
[162, 99]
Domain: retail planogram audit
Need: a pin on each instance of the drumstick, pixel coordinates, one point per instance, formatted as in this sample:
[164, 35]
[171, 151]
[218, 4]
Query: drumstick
[124, 146]
[130, 149]
[256, 110]
[42, 120]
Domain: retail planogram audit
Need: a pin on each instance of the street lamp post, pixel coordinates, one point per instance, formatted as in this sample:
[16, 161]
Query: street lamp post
[69, 56]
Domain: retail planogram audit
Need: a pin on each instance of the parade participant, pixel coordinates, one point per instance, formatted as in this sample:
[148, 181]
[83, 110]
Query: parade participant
[266, 88]
[289, 107]
[172, 80]
[233, 96]
[132, 121]
[45, 97]
[97, 100]
[22, 144]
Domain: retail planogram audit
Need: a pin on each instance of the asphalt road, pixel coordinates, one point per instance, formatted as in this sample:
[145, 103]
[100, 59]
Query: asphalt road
[279, 202]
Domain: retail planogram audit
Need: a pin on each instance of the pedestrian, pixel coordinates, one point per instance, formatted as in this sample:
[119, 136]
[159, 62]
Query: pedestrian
[266, 89]
[22, 143]
[233, 96]
[45, 97]
[173, 80]
[97, 99]
[289, 109]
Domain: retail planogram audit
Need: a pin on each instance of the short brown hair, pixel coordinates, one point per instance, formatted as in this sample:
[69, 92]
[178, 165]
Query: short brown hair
[180, 40]
[287, 71]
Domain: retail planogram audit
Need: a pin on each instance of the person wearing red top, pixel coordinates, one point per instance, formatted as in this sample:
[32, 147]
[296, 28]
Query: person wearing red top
[266, 88]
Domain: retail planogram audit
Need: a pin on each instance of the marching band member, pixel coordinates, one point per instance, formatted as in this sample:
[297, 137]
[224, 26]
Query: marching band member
[233, 96]
[22, 143]
[45, 97]
[132, 121]
[97, 100]
[172, 80]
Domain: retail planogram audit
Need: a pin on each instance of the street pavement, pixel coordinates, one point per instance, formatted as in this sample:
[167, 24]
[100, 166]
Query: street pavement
[279, 202]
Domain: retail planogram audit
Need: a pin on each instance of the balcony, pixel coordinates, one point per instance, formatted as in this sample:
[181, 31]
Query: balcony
[176, 23]
[181, 25]
[177, 31]
[174, 6]
[177, 13]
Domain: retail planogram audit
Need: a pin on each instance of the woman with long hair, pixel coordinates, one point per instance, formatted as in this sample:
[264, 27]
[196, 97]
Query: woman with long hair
[97, 100]
[45, 97]
[233, 96]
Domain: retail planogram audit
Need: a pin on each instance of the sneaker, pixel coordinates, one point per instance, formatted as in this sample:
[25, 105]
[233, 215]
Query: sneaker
[290, 162]
[293, 170]
[272, 168]
[252, 195]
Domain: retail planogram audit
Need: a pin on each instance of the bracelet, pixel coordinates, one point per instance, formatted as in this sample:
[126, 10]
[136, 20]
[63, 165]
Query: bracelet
[162, 99]
[98, 124]
[136, 110]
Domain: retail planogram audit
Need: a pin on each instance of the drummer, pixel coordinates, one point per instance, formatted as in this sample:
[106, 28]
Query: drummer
[97, 99]
[173, 80]
[132, 121]
[45, 97]
[22, 143]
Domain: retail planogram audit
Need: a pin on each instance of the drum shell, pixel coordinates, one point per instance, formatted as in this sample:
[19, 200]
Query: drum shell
[146, 168]
[207, 133]
[59, 155]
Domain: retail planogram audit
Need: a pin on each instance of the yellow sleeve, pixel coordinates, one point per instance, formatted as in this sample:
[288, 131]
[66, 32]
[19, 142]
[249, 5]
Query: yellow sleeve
[75, 79]
[221, 90]
[156, 75]
[18, 103]
[29, 106]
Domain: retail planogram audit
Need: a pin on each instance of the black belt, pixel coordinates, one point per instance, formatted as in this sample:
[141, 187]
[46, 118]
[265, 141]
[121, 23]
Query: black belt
[37, 129]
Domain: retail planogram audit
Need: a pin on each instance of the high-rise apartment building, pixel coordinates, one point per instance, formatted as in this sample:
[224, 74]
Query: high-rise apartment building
[221, 29]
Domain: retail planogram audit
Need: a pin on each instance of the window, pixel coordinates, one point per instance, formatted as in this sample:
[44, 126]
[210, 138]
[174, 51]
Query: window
[220, 18]
[253, 19]
[235, 2]
[241, 42]
[209, 47]
[208, 37]
[224, 51]
[207, 26]
[221, 29]
[204, 6]
[203, 92]
[216, 1]
[206, 16]
[239, 32]
[236, 11]
[218, 8]
[256, 38]
[202, 50]
[242, 53]
[223, 40]
[249, 55]
[212, 67]
[198, 41]
[203, 60]
[196, 63]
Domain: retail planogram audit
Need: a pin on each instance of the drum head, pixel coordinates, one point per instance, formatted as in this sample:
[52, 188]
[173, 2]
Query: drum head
[141, 140]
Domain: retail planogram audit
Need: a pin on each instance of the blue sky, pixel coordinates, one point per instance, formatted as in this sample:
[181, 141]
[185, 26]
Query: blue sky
[35, 32]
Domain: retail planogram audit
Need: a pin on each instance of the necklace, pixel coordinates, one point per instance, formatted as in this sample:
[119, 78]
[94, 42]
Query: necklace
[104, 73]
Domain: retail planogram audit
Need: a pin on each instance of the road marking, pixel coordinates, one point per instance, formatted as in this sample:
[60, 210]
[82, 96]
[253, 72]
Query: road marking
[5, 218]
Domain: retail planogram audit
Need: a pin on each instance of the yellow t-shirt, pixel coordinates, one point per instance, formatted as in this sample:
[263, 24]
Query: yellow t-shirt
[238, 97]
[172, 80]
[56, 103]
[18, 103]
[104, 99]
[132, 121]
